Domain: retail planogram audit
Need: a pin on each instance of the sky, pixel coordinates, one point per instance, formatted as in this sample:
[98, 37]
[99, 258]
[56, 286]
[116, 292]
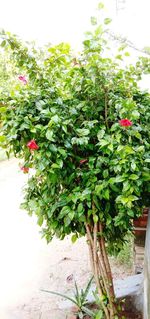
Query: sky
[53, 21]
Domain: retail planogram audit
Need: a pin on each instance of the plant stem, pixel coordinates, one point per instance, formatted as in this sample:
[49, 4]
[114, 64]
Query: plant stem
[95, 265]
[106, 260]
[101, 268]
[109, 284]
[96, 270]
[106, 107]
[91, 255]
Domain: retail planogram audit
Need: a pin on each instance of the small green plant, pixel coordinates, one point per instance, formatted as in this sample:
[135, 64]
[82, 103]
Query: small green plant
[125, 256]
[79, 299]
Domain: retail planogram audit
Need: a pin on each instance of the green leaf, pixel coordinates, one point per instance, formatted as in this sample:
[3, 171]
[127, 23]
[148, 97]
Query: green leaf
[52, 148]
[111, 147]
[140, 149]
[87, 289]
[127, 53]
[39, 104]
[130, 212]
[40, 220]
[99, 315]
[99, 31]
[146, 176]
[99, 188]
[120, 148]
[100, 134]
[93, 20]
[103, 143]
[74, 238]
[62, 152]
[112, 180]
[133, 177]
[64, 211]
[54, 120]
[55, 165]
[147, 160]
[2, 138]
[58, 164]
[88, 311]
[106, 194]
[135, 114]
[80, 141]
[133, 166]
[3, 43]
[80, 209]
[83, 132]
[119, 179]
[122, 47]
[119, 57]
[95, 218]
[49, 135]
[67, 221]
[105, 173]
[107, 21]
[126, 186]
[128, 149]
[132, 198]
[122, 199]
[77, 295]
[100, 6]
[33, 204]
[71, 215]
[61, 295]
[3, 109]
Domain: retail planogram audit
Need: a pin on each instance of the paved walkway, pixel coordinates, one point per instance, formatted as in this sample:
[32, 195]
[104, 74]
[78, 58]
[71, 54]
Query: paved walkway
[23, 254]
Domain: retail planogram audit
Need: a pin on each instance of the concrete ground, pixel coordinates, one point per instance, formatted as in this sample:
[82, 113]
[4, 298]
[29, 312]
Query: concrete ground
[27, 263]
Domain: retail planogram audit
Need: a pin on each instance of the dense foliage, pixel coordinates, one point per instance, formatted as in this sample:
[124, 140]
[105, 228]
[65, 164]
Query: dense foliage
[88, 164]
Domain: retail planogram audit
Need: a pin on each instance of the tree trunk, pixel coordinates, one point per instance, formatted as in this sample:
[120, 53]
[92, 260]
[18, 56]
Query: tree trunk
[101, 269]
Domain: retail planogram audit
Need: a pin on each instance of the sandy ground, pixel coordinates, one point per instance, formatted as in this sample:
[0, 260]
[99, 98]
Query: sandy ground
[28, 264]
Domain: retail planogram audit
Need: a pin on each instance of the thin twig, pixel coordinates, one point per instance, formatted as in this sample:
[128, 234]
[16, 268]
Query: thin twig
[106, 260]
[106, 108]
[91, 255]
[110, 287]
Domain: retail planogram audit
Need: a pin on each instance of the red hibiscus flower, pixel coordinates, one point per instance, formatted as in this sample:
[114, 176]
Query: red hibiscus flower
[25, 169]
[125, 122]
[23, 79]
[83, 161]
[32, 145]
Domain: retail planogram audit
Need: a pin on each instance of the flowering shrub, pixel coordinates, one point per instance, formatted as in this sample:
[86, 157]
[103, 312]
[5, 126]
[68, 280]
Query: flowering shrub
[91, 175]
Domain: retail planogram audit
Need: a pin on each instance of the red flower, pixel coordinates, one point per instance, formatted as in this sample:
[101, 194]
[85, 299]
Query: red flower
[23, 79]
[83, 161]
[125, 122]
[25, 169]
[32, 145]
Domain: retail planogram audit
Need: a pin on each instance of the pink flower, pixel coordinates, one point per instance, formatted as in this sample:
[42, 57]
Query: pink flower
[25, 169]
[32, 145]
[125, 122]
[83, 161]
[23, 79]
